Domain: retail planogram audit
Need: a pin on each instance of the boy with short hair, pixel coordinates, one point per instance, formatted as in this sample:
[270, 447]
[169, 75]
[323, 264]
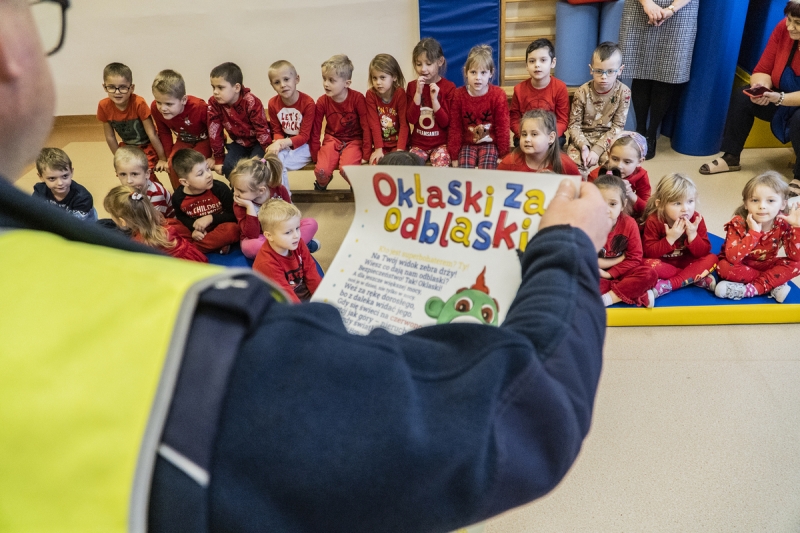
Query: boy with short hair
[185, 115]
[291, 118]
[284, 257]
[599, 108]
[203, 205]
[233, 108]
[541, 91]
[54, 168]
[130, 164]
[348, 140]
[128, 114]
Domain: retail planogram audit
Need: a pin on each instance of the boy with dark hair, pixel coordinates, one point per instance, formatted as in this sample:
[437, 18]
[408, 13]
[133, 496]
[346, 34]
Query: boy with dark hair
[175, 111]
[233, 108]
[203, 205]
[128, 115]
[599, 108]
[541, 91]
[54, 168]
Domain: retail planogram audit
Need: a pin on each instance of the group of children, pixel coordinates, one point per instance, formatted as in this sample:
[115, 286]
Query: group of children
[471, 126]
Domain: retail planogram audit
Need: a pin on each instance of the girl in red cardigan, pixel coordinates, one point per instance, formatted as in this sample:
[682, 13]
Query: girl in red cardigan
[386, 107]
[749, 261]
[538, 147]
[255, 181]
[479, 119]
[627, 153]
[676, 244]
[623, 278]
[132, 210]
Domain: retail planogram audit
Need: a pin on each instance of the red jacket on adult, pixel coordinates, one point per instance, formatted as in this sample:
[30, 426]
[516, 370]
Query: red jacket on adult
[776, 54]
[430, 128]
[346, 121]
[553, 98]
[640, 183]
[244, 120]
[473, 119]
[191, 125]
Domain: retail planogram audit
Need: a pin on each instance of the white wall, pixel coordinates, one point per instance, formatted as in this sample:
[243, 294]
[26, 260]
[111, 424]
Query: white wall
[193, 36]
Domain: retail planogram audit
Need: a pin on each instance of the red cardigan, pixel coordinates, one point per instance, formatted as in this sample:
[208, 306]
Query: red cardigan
[640, 183]
[475, 118]
[776, 54]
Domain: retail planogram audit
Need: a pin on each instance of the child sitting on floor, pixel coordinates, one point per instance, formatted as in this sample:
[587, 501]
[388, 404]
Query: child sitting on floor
[54, 168]
[627, 153]
[254, 182]
[131, 210]
[623, 278]
[130, 164]
[284, 257]
[749, 260]
[675, 238]
[538, 149]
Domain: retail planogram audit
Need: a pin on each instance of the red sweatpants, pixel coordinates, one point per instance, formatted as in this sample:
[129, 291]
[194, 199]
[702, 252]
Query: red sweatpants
[335, 154]
[204, 147]
[684, 270]
[222, 235]
[632, 286]
[763, 275]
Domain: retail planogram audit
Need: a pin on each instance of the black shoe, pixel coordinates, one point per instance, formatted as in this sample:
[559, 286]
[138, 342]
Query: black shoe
[318, 187]
[651, 149]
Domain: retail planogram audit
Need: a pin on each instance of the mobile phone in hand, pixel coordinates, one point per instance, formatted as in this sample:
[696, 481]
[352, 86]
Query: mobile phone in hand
[755, 92]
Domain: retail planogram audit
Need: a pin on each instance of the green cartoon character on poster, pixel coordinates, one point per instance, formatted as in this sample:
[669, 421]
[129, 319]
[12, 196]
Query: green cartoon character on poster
[471, 304]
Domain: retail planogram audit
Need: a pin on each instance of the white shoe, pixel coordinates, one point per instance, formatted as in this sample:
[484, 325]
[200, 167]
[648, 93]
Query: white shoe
[651, 298]
[730, 290]
[780, 292]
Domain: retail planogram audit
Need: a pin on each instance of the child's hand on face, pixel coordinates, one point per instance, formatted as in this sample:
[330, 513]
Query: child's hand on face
[677, 229]
[247, 204]
[793, 218]
[434, 91]
[202, 223]
[162, 166]
[629, 191]
[198, 235]
[752, 224]
[420, 84]
[691, 229]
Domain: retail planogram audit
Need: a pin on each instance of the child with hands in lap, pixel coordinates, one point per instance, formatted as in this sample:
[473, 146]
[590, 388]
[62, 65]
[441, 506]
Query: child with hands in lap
[676, 244]
[386, 107]
[749, 261]
[429, 98]
[284, 257]
[254, 182]
[626, 155]
[539, 149]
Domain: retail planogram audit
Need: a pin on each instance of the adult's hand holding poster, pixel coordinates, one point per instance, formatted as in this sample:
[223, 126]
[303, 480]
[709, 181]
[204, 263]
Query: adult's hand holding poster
[434, 245]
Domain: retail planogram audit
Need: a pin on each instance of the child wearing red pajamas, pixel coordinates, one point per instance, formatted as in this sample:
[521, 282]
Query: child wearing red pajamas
[749, 261]
[676, 244]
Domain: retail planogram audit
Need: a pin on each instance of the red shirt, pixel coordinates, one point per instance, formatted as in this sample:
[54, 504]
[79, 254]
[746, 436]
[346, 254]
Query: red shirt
[430, 129]
[387, 121]
[245, 122]
[249, 226]
[129, 124]
[656, 245]
[292, 272]
[183, 249]
[640, 183]
[478, 119]
[191, 125]
[623, 239]
[743, 245]
[516, 161]
[776, 54]
[346, 121]
[294, 121]
[216, 201]
[553, 98]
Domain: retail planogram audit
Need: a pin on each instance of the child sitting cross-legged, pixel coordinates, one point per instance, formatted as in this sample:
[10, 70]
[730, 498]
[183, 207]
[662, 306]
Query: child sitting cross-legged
[284, 257]
[255, 181]
[130, 164]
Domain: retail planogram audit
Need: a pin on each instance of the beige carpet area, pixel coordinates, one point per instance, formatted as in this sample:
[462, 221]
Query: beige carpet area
[696, 429]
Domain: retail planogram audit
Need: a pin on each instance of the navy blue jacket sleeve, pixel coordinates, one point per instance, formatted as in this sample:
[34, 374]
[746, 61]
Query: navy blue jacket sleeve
[428, 431]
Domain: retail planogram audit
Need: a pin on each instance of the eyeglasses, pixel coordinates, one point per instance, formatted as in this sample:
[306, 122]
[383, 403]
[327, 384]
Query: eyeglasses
[599, 72]
[50, 17]
[122, 89]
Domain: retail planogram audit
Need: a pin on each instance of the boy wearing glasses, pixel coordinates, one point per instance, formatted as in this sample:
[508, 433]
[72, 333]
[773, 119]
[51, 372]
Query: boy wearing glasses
[599, 108]
[128, 115]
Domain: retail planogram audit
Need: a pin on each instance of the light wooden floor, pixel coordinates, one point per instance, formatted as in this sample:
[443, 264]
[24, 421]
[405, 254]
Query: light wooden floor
[695, 428]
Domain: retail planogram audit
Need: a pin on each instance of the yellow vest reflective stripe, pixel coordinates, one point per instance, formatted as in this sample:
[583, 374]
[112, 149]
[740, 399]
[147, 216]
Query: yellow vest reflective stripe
[83, 335]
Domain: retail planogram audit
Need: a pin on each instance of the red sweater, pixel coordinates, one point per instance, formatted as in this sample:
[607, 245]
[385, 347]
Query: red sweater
[191, 126]
[743, 245]
[623, 239]
[244, 121]
[553, 98]
[478, 119]
[249, 226]
[183, 249]
[294, 121]
[776, 54]
[430, 129]
[387, 121]
[640, 183]
[290, 271]
[656, 245]
[516, 161]
[346, 121]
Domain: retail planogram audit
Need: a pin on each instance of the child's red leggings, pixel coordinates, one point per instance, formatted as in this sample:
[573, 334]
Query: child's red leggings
[632, 286]
[334, 153]
[763, 275]
[683, 271]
